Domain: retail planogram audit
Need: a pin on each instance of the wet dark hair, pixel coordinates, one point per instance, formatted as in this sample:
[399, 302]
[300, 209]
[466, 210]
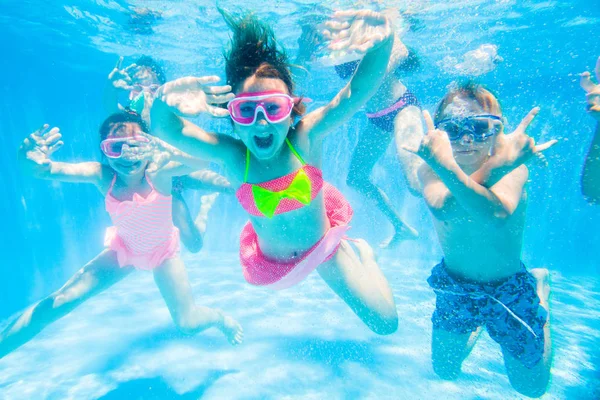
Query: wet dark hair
[254, 52]
[472, 91]
[149, 62]
[121, 118]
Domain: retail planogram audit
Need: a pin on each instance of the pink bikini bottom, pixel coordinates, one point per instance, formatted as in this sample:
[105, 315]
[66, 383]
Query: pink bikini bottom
[279, 274]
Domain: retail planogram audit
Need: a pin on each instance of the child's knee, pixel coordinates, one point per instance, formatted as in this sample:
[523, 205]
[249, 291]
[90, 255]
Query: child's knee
[530, 387]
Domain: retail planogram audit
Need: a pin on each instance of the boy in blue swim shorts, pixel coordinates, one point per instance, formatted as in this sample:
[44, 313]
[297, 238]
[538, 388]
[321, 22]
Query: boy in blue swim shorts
[474, 183]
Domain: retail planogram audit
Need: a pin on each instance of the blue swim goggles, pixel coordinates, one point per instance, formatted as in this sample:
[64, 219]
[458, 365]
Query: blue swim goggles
[480, 127]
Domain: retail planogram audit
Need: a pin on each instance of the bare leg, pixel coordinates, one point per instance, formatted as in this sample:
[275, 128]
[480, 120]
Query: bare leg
[408, 128]
[362, 285]
[533, 382]
[182, 218]
[372, 143]
[449, 350]
[206, 203]
[172, 281]
[96, 276]
[192, 231]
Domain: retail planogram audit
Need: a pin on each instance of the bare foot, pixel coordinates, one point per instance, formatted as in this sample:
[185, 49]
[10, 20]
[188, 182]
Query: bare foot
[231, 329]
[206, 203]
[542, 276]
[404, 232]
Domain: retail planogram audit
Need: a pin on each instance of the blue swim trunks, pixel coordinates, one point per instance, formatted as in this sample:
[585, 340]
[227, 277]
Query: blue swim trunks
[510, 310]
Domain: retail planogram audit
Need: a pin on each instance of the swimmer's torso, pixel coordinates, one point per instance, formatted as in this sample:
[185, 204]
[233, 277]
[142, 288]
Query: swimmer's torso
[482, 252]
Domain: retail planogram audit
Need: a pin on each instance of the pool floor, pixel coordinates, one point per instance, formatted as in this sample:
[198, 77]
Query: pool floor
[302, 343]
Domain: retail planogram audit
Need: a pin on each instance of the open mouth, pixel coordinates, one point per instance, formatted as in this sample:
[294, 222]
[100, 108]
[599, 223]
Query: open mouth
[263, 142]
[465, 151]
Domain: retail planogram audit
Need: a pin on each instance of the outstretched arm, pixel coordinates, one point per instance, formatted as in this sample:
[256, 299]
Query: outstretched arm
[590, 177]
[189, 97]
[34, 159]
[365, 32]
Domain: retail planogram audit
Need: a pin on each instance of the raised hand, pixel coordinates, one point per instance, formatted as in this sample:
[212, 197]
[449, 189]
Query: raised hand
[35, 151]
[120, 78]
[518, 148]
[435, 148]
[357, 31]
[592, 92]
[191, 96]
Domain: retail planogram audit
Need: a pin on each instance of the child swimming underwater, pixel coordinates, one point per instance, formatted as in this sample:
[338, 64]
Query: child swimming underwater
[138, 82]
[393, 111]
[478, 203]
[590, 178]
[297, 222]
[143, 236]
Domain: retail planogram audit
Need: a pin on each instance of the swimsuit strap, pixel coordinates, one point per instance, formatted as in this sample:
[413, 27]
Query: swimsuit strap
[114, 179]
[292, 149]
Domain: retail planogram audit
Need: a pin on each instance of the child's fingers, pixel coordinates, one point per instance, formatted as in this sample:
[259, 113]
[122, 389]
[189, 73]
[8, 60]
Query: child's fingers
[334, 25]
[219, 99]
[218, 112]
[119, 62]
[410, 149]
[204, 80]
[545, 146]
[51, 132]
[586, 82]
[54, 147]
[51, 139]
[217, 89]
[525, 122]
[428, 121]
[130, 67]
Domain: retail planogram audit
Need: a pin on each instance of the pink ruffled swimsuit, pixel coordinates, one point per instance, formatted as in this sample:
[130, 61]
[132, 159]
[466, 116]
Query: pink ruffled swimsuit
[279, 274]
[143, 234]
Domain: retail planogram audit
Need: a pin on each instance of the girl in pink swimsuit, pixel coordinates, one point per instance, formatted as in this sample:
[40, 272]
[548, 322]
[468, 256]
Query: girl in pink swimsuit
[142, 236]
[297, 221]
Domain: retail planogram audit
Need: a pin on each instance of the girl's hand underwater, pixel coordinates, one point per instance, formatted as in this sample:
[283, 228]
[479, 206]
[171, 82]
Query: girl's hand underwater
[35, 151]
[356, 32]
[593, 92]
[120, 78]
[518, 148]
[156, 151]
[191, 96]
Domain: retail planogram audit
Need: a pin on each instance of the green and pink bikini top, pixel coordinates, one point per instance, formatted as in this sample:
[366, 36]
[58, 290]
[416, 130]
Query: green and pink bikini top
[287, 193]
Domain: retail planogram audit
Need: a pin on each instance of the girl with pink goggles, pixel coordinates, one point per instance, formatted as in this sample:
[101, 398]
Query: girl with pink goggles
[112, 147]
[275, 106]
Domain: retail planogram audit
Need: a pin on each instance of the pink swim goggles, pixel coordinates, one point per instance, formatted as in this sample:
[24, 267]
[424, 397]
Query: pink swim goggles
[275, 106]
[113, 147]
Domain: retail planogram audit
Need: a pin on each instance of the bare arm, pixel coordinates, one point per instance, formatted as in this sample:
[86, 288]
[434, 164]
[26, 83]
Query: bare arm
[183, 134]
[34, 159]
[361, 87]
[590, 178]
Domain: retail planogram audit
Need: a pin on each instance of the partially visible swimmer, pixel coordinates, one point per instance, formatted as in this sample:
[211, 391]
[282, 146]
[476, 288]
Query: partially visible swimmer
[137, 83]
[298, 222]
[474, 183]
[137, 197]
[590, 178]
[393, 111]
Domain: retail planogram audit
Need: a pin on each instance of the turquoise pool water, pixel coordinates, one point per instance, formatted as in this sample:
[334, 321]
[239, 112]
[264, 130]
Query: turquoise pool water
[303, 342]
